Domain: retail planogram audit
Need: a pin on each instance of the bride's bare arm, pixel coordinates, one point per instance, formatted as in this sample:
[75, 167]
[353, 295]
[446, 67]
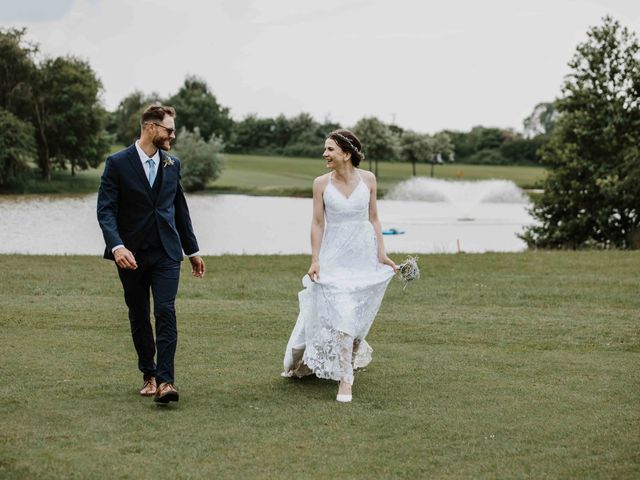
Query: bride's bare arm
[317, 227]
[375, 221]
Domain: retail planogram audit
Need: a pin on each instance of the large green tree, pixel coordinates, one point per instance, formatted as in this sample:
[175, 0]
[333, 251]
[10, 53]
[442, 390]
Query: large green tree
[17, 70]
[68, 116]
[17, 148]
[197, 107]
[592, 194]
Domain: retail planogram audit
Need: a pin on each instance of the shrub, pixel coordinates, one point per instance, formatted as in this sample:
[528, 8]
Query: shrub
[202, 161]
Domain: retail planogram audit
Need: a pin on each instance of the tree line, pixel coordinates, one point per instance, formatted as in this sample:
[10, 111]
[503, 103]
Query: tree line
[54, 119]
[302, 135]
[588, 138]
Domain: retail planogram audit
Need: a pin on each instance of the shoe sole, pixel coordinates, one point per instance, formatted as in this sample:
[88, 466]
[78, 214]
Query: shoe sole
[169, 397]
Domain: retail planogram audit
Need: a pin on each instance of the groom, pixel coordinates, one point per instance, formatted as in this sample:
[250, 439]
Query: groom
[145, 222]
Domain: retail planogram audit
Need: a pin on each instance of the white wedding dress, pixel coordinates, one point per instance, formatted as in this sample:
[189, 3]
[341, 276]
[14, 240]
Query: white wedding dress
[337, 311]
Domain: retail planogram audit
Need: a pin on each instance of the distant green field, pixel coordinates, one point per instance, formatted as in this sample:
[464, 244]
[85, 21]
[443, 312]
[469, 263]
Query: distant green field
[262, 175]
[293, 176]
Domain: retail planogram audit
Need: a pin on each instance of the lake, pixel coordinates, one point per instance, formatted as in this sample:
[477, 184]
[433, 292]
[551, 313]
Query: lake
[451, 216]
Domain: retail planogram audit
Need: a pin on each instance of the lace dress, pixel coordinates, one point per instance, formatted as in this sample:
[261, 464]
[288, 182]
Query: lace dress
[337, 311]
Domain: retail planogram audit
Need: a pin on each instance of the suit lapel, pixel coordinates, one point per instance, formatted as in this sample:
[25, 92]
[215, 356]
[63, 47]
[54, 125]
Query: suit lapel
[136, 164]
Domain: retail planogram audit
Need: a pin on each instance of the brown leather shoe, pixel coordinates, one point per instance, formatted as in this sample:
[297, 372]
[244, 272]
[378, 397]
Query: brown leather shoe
[166, 393]
[149, 388]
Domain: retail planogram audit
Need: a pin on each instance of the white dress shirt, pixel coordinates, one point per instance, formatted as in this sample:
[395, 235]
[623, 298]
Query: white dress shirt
[144, 157]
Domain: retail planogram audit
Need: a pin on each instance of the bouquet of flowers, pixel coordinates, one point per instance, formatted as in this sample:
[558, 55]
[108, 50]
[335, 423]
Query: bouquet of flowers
[408, 271]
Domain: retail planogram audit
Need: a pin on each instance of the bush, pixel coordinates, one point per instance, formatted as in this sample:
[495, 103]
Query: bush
[201, 160]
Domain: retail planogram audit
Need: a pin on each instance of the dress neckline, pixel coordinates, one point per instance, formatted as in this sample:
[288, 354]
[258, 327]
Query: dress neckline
[352, 191]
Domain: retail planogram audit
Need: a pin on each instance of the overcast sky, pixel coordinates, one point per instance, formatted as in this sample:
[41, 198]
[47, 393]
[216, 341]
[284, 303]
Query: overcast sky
[427, 65]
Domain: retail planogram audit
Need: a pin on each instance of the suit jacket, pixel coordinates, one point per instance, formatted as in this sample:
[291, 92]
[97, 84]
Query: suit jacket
[128, 208]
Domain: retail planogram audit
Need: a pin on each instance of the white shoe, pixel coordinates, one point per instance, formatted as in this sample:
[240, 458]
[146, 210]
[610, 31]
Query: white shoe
[343, 398]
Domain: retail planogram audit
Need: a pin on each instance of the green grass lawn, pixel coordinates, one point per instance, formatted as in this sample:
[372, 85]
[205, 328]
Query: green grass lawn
[491, 366]
[261, 175]
[294, 176]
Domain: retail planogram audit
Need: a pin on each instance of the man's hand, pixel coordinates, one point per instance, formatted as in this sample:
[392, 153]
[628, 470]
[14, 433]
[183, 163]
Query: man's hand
[125, 259]
[197, 266]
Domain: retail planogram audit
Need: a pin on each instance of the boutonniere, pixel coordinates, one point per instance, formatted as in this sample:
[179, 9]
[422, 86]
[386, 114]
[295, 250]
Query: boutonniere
[167, 161]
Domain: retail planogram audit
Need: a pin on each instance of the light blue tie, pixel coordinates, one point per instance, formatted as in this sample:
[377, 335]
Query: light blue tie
[152, 171]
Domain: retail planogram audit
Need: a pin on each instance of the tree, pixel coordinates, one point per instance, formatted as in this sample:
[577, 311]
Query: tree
[379, 142]
[68, 116]
[201, 160]
[541, 121]
[441, 147]
[17, 69]
[196, 106]
[17, 148]
[522, 151]
[416, 148]
[254, 135]
[481, 145]
[307, 136]
[591, 196]
[125, 121]
[303, 136]
[296, 136]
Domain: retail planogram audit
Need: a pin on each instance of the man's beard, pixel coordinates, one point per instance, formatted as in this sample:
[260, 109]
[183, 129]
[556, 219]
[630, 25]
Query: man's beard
[162, 143]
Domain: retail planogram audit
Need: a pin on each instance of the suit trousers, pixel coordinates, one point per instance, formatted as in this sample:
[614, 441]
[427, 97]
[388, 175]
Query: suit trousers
[159, 274]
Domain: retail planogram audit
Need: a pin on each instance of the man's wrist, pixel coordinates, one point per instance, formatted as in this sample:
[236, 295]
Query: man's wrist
[194, 254]
[113, 250]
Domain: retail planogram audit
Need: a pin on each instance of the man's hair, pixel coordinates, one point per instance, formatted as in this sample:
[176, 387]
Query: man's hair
[156, 113]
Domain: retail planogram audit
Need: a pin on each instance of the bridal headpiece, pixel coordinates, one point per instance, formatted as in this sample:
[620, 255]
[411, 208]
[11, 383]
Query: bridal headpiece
[346, 139]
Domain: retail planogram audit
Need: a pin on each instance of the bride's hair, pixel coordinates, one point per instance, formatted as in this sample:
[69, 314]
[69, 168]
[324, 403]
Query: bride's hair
[348, 142]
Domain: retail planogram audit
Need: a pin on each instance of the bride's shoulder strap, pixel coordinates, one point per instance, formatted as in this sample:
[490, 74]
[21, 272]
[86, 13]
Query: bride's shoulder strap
[368, 178]
[322, 181]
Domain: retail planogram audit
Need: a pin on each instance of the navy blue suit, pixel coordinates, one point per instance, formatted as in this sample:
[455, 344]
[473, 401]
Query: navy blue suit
[153, 222]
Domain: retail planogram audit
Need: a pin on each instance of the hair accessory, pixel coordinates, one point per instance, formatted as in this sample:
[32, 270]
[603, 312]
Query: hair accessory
[339, 135]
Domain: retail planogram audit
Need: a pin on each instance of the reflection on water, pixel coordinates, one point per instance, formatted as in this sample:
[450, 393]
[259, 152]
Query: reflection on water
[242, 224]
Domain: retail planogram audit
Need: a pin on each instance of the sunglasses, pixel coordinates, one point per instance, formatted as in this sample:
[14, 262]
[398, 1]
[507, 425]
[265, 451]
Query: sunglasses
[170, 131]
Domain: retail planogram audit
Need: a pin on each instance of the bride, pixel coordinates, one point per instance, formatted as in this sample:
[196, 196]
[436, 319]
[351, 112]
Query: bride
[349, 271]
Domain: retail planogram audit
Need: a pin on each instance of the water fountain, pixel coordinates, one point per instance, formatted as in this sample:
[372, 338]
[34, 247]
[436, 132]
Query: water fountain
[459, 215]
[463, 195]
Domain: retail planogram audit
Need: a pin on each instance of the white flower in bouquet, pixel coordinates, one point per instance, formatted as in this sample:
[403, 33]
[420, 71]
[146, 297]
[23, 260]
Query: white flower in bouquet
[408, 271]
